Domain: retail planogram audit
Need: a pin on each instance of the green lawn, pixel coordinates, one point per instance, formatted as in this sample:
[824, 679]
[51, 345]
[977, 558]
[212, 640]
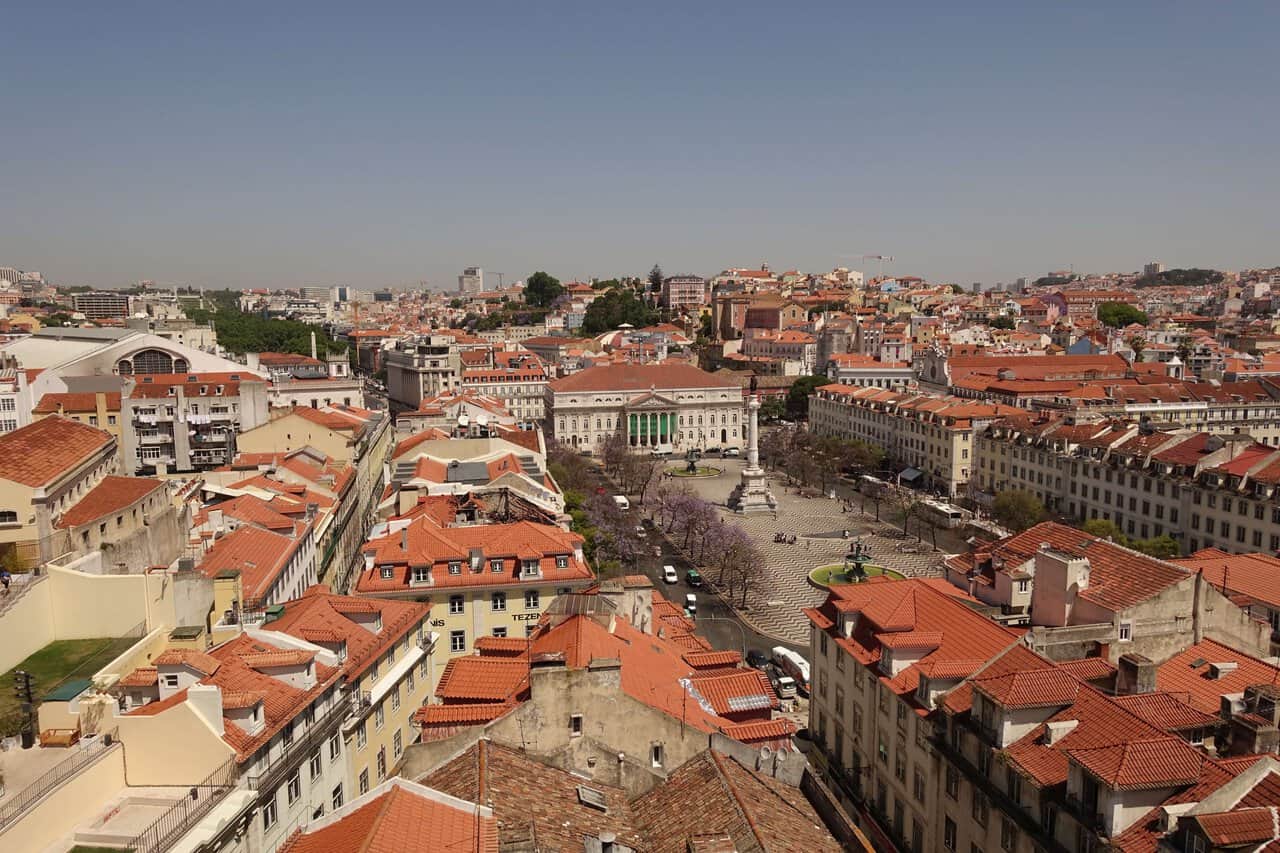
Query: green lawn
[54, 664]
[834, 574]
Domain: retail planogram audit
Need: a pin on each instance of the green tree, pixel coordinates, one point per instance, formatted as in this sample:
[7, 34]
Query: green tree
[1000, 322]
[1120, 314]
[541, 289]
[798, 396]
[1017, 509]
[614, 307]
[1103, 528]
[240, 332]
[1163, 547]
[655, 278]
[772, 408]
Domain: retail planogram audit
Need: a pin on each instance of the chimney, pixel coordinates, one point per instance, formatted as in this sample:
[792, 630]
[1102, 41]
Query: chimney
[1135, 673]
[313, 344]
[1057, 730]
[407, 499]
[1218, 670]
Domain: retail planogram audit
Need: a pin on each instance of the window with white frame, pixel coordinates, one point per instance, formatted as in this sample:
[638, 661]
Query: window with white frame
[498, 602]
[457, 641]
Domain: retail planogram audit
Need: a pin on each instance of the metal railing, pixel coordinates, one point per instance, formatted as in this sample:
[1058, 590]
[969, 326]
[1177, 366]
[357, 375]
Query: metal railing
[83, 756]
[165, 830]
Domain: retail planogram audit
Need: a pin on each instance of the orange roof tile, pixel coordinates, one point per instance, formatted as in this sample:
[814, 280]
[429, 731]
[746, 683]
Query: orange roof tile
[112, 495]
[1159, 762]
[199, 661]
[45, 450]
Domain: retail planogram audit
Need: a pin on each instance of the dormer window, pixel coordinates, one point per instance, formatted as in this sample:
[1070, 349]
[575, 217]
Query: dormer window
[421, 574]
[529, 568]
[562, 561]
[455, 567]
[495, 566]
[387, 573]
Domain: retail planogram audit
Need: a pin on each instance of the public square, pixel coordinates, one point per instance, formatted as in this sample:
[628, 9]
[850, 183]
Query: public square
[818, 523]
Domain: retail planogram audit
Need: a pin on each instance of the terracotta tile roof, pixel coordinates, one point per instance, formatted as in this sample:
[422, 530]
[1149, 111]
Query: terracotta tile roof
[501, 646]
[321, 617]
[112, 495]
[1252, 575]
[400, 817]
[532, 800]
[712, 794]
[76, 403]
[884, 607]
[199, 661]
[143, 676]
[640, 377]
[705, 660]
[269, 660]
[1169, 712]
[45, 450]
[1088, 669]
[483, 679]
[462, 714]
[1160, 762]
[1204, 691]
[241, 700]
[911, 640]
[258, 554]
[1029, 688]
[251, 509]
[741, 691]
[1118, 578]
[761, 731]
[157, 385]
[425, 543]
[1240, 827]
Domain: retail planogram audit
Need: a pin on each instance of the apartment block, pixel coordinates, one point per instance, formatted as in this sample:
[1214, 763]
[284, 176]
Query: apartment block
[930, 438]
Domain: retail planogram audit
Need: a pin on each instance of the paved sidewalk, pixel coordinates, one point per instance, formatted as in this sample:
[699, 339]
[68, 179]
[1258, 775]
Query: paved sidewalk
[773, 607]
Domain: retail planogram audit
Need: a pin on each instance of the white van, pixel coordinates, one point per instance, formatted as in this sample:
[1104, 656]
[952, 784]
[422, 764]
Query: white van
[691, 605]
[793, 665]
[623, 503]
[783, 685]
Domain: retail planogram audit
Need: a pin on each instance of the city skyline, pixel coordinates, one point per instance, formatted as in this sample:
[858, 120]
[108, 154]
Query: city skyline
[268, 149]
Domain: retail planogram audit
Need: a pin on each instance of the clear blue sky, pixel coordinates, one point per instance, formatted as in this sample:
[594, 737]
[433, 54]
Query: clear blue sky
[270, 144]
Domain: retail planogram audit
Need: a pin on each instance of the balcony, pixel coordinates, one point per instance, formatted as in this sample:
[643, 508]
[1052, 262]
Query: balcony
[158, 438]
[277, 766]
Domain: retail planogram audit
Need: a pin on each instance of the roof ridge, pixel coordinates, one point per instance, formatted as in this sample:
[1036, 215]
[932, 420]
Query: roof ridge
[737, 798]
[383, 810]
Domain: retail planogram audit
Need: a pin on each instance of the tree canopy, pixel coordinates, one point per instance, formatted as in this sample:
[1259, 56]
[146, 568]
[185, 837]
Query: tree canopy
[1191, 277]
[1163, 547]
[798, 396]
[615, 307]
[240, 332]
[541, 289]
[1120, 314]
[1017, 509]
[1000, 322]
[655, 278]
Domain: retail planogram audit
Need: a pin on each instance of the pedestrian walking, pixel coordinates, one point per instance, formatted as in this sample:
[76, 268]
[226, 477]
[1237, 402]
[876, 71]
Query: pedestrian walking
[5, 578]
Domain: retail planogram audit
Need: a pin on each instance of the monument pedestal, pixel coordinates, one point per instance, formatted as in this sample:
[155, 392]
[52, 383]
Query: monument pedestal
[752, 493]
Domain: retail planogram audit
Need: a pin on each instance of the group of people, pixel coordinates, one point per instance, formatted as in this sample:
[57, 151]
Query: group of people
[785, 538]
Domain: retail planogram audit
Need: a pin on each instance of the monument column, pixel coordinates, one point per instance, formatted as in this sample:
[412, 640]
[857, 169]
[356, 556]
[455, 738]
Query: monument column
[752, 492]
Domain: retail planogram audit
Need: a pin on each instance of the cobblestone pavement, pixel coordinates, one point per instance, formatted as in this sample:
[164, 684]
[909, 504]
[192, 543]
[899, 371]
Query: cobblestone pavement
[773, 607]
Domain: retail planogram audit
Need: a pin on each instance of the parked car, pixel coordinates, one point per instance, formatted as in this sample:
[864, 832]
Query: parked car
[691, 605]
[783, 685]
[793, 665]
[757, 659]
[732, 451]
[693, 578]
[711, 451]
[669, 574]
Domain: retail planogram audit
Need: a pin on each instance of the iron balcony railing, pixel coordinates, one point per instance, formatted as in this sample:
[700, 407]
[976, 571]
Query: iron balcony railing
[177, 821]
[83, 755]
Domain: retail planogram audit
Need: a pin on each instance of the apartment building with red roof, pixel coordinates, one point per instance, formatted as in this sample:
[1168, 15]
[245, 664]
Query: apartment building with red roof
[941, 730]
[1077, 592]
[273, 555]
[95, 408]
[488, 579]
[46, 468]
[931, 437]
[134, 521]
[625, 669]
[187, 421]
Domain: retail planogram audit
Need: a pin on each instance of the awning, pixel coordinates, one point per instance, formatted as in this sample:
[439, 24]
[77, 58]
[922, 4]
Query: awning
[910, 475]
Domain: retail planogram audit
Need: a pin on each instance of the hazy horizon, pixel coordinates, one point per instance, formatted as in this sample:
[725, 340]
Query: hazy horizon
[239, 146]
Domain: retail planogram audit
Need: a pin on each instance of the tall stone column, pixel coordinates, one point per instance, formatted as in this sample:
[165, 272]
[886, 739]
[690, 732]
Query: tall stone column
[752, 492]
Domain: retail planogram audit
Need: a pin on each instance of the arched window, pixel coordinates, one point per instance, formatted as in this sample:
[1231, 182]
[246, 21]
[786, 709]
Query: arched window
[153, 361]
